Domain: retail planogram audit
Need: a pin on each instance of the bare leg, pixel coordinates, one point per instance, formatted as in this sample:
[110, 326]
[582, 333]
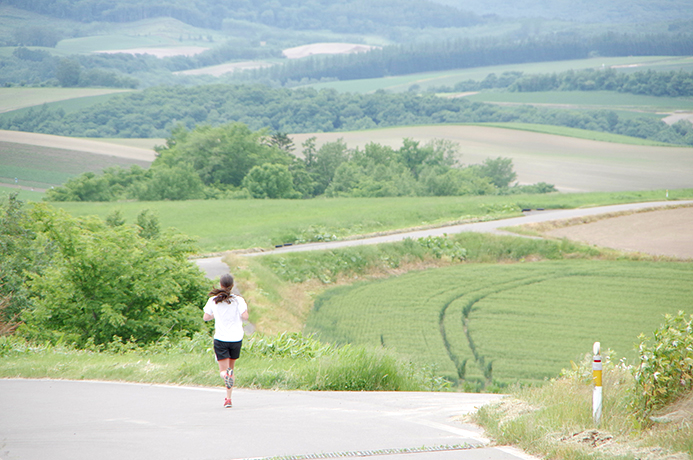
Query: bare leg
[224, 365]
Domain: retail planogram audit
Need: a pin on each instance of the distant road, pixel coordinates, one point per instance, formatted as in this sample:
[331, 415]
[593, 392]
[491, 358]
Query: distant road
[215, 267]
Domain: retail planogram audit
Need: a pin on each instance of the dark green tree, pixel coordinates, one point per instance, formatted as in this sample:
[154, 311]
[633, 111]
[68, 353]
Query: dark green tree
[148, 224]
[22, 252]
[270, 181]
[85, 187]
[68, 72]
[107, 282]
[221, 155]
[179, 182]
[499, 171]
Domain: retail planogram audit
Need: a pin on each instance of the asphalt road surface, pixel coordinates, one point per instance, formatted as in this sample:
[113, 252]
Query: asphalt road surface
[214, 267]
[61, 420]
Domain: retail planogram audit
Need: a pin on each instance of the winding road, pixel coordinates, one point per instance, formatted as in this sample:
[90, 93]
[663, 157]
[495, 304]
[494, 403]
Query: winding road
[214, 267]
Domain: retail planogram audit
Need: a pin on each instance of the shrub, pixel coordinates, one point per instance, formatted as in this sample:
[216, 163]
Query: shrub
[107, 281]
[665, 370]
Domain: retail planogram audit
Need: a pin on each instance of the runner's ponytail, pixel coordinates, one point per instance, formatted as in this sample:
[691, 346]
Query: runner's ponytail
[224, 292]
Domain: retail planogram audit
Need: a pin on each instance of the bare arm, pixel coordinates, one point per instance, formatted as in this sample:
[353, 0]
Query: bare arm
[244, 315]
[207, 317]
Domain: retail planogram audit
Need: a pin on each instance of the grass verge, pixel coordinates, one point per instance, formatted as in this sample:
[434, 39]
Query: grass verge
[284, 361]
[555, 420]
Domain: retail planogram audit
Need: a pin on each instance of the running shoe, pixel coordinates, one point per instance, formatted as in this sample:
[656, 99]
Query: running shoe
[227, 402]
[228, 378]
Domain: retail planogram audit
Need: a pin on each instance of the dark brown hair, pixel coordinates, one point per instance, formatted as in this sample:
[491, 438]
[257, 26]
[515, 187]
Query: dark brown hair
[224, 292]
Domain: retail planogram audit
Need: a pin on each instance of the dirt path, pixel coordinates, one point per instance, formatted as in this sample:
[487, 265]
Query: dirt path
[666, 232]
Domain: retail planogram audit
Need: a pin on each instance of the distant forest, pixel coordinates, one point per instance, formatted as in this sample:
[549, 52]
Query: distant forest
[158, 111]
[649, 83]
[38, 67]
[348, 16]
[594, 11]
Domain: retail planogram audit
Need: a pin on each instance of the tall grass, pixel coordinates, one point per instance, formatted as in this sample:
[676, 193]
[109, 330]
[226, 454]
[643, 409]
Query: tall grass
[284, 361]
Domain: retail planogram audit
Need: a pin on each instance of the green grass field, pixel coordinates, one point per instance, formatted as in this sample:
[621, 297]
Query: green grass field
[451, 77]
[517, 322]
[23, 194]
[240, 224]
[69, 99]
[611, 100]
[578, 133]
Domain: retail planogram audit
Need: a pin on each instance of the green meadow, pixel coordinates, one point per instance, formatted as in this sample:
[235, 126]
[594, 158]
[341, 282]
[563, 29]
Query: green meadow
[577, 133]
[506, 323]
[222, 225]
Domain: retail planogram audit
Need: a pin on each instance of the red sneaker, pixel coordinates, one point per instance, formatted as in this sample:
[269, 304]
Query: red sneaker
[227, 402]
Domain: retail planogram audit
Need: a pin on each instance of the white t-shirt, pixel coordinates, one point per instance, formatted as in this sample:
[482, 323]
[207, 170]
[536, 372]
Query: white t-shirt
[228, 325]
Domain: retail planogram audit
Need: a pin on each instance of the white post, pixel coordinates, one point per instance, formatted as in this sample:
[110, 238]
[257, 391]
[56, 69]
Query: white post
[597, 377]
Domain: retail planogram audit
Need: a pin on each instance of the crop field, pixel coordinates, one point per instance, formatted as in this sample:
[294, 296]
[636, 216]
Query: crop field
[150, 33]
[571, 164]
[452, 77]
[121, 150]
[72, 98]
[507, 323]
[44, 167]
[140, 143]
[587, 100]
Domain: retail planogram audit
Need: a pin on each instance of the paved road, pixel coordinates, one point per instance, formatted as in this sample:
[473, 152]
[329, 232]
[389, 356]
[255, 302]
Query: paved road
[215, 267]
[57, 419]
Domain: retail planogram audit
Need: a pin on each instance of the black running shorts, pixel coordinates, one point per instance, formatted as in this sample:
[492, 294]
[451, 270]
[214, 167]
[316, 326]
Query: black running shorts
[226, 350]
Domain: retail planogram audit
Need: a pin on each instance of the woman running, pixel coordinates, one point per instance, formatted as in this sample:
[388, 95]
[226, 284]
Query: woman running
[228, 312]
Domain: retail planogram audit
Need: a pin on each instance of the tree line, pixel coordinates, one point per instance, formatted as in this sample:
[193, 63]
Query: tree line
[465, 53]
[26, 66]
[156, 112]
[651, 83]
[231, 161]
[350, 16]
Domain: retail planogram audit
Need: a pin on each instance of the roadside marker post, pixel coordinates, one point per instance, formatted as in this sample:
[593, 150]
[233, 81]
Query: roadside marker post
[597, 378]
